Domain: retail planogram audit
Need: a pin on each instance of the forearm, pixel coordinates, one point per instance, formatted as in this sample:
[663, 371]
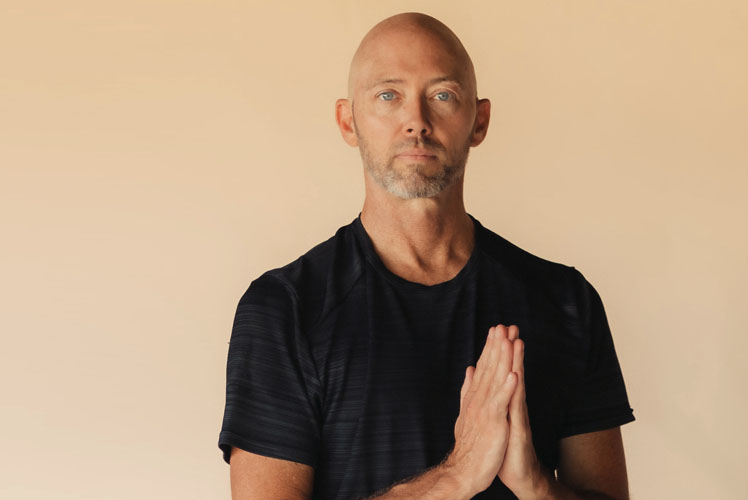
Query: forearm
[551, 488]
[437, 483]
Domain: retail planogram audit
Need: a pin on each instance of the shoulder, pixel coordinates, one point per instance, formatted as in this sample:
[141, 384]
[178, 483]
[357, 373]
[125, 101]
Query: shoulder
[556, 287]
[531, 272]
[314, 282]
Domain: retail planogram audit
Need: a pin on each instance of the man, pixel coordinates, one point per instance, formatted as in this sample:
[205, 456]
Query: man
[352, 371]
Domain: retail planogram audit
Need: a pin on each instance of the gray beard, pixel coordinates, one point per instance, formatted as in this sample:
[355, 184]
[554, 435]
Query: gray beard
[414, 183]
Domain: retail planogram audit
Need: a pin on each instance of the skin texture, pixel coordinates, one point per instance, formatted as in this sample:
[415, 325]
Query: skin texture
[412, 85]
[380, 57]
[482, 430]
[492, 437]
[255, 477]
[426, 235]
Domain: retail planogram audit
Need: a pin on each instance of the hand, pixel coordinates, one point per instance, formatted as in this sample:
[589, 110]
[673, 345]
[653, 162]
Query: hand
[520, 471]
[482, 428]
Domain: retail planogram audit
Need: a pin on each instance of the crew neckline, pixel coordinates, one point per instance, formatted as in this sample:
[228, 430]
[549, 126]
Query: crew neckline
[373, 258]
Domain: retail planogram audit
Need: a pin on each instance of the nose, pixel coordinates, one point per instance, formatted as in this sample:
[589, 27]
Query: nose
[416, 118]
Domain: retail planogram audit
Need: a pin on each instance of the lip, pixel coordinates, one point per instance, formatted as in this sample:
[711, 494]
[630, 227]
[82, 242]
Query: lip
[417, 153]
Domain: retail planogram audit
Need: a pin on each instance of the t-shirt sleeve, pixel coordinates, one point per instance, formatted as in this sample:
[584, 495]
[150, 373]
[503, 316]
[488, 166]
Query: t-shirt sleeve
[595, 395]
[272, 389]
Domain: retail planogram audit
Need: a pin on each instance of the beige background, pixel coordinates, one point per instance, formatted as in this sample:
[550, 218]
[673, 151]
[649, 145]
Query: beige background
[159, 155]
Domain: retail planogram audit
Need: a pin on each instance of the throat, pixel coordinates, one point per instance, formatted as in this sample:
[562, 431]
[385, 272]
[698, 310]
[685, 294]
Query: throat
[424, 273]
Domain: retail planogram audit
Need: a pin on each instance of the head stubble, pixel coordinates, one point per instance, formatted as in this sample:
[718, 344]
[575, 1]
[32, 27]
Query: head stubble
[417, 184]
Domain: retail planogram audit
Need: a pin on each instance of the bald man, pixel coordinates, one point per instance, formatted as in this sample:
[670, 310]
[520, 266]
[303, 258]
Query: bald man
[416, 354]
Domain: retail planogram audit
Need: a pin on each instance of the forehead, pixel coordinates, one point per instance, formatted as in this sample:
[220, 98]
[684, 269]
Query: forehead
[410, 55]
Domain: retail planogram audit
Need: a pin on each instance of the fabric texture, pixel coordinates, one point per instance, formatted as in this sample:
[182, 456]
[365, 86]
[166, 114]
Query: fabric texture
[338, 363]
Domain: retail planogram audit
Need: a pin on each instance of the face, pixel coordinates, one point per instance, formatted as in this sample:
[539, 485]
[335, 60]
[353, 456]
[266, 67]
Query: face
[413, 114]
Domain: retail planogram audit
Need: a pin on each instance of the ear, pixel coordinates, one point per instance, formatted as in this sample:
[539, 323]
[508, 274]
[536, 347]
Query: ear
[344, 117]
[482, 117]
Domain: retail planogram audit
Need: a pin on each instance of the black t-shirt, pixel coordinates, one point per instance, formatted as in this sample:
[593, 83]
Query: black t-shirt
[338, 363]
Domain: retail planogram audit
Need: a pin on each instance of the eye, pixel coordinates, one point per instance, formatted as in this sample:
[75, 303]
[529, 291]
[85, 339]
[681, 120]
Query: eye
[443, 96]
[387, 96]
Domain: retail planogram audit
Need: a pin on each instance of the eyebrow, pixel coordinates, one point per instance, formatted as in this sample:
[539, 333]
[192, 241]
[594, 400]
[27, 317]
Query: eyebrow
[433, 81]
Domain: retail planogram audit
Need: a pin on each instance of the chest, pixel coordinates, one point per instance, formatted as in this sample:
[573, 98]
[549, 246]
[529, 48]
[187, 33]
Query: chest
[392, 364]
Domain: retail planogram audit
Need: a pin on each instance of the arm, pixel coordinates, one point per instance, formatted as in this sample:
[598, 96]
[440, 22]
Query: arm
[272, 397]
[481, 430]
[438, 483]
[481, 433]
[592, 466]
[256, 477]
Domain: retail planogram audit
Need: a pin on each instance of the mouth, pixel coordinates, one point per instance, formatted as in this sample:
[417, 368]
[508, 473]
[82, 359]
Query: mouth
[419, 155]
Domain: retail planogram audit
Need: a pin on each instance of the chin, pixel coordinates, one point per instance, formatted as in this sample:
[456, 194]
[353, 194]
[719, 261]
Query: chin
[412, 191]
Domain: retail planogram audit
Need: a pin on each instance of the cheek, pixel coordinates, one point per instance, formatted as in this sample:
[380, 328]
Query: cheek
[383, 122]
[378, 133]
[374, 119]
[461, 129]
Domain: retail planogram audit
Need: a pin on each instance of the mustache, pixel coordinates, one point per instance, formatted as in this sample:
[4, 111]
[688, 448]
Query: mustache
[427, 144]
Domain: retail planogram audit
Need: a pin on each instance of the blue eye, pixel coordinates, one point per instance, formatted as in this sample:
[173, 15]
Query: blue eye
[446, 96]
[392, 96]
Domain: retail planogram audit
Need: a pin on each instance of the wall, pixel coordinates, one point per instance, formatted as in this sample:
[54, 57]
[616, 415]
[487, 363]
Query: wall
[156, 156]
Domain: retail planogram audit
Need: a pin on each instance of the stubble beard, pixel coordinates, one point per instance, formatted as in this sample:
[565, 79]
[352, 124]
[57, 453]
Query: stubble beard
[415, 181]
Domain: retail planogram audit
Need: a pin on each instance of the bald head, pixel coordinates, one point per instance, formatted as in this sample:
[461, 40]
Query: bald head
[398, 33]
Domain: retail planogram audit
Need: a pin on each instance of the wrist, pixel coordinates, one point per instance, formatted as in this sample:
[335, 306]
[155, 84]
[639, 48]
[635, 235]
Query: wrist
[538, 486]
[452, 479]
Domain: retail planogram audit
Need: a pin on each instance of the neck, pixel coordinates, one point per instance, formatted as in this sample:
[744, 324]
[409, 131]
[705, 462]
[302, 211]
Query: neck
[425, 240]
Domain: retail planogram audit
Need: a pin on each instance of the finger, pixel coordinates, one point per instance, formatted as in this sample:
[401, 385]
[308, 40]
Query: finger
[518, 356]
[518, 404]
[501, 331]
[486, 347]
[504, 346]
[513, 332]
[505, 394]
[518, 412]
[506, 354]
[521, 384]
[485, 370]
[466, 385]
[503, 369]
[483, 359]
